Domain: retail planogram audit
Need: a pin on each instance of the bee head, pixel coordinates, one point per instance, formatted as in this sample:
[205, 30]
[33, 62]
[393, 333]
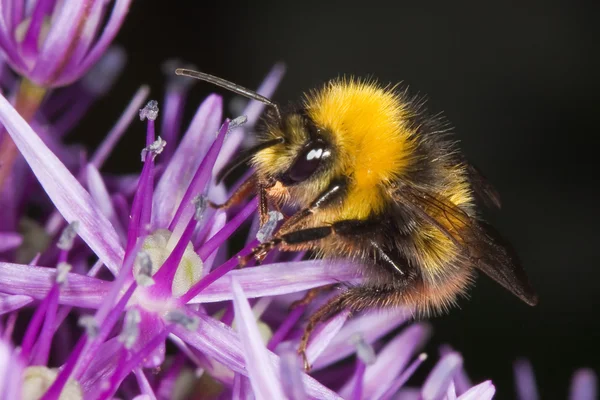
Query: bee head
[302, 159]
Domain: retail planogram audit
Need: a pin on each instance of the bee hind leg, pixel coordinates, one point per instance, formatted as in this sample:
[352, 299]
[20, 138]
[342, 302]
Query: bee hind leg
[311, 295]
[355, 299]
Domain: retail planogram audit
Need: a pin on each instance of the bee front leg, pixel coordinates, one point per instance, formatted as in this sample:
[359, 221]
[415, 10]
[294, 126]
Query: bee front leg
[242, 192]
[334, 192]
[292, 241]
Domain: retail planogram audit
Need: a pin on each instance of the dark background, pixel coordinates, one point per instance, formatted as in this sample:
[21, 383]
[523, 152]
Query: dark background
[520, 85]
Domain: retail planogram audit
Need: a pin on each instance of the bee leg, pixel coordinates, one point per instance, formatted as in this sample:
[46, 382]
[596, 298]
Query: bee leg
[333, 192]
[291, 241]
[311, 295]
[263, 205]
[355, 299]
[244, 190]
[324, 313]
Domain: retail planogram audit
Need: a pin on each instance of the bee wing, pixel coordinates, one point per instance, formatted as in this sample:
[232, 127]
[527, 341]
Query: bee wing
[499, 261]
[483, 188]
[479, 242]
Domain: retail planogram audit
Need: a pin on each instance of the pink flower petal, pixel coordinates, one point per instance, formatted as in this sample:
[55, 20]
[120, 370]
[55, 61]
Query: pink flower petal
[440, 378]
[102, 366]
[461, 379]
[525, 381]
[100, 195]
[69, 197]
[9, 241]
[79, 291]
[391, 361]
[114, 135]
[53, 51]
[11, 372]
[185, 161]
[279, 278]
[291, 373]
[483, 391]
[451, 392]
[323, 337]
[144, 384]
[220, 342]
[262, 376]
[584, 385]
[117, 16]
[14, 302]
[379, 323]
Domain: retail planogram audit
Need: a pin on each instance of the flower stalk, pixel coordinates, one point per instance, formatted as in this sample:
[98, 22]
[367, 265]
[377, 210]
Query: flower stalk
[28, 98]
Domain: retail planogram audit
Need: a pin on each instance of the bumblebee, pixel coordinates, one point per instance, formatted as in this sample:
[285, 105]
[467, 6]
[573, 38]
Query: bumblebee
[374, 179]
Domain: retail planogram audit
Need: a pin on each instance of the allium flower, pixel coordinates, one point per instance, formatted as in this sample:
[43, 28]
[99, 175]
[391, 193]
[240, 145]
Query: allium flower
[54, 119]
[53, 43]
[49, 43]
[173, 279]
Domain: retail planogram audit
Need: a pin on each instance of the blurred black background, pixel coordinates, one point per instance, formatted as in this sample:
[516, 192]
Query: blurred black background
[520, 85]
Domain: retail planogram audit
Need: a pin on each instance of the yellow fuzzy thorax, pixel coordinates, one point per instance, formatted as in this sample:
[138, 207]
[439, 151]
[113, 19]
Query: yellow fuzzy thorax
[368, 126]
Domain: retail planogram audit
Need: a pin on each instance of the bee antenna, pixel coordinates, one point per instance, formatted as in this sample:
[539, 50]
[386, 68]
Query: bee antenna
[229, 86]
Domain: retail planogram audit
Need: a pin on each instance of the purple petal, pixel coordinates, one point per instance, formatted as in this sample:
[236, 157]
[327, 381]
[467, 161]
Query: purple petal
[440, 378]
[14, 302]
[197, 185]
[117, 131]
[291, 374]
[323, 337]
[105, 148]
[220, 342]
[65, 23]
[279, 278]
[212, 367]
[461, 380]
[242, 388]
[219, 221]
[525, 381]
[101, 79]
[38, 13]
[404, 377]
[11, 372]
[150, 327]
[100, 194]
[409, 394]
[10, 50]
[378, 323]
[584, 385]
[451, 392]
[143, 383]
[185, 161]
[87, 34]
[70, 155]
[102, 366]
[391, 361]
[483, 391]
[69, 197]
[80, 290]
[117, 16]
[9, 240]
[262, 377]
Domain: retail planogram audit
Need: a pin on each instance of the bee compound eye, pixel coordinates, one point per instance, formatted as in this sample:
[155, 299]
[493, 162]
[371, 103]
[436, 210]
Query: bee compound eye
[308, 162]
